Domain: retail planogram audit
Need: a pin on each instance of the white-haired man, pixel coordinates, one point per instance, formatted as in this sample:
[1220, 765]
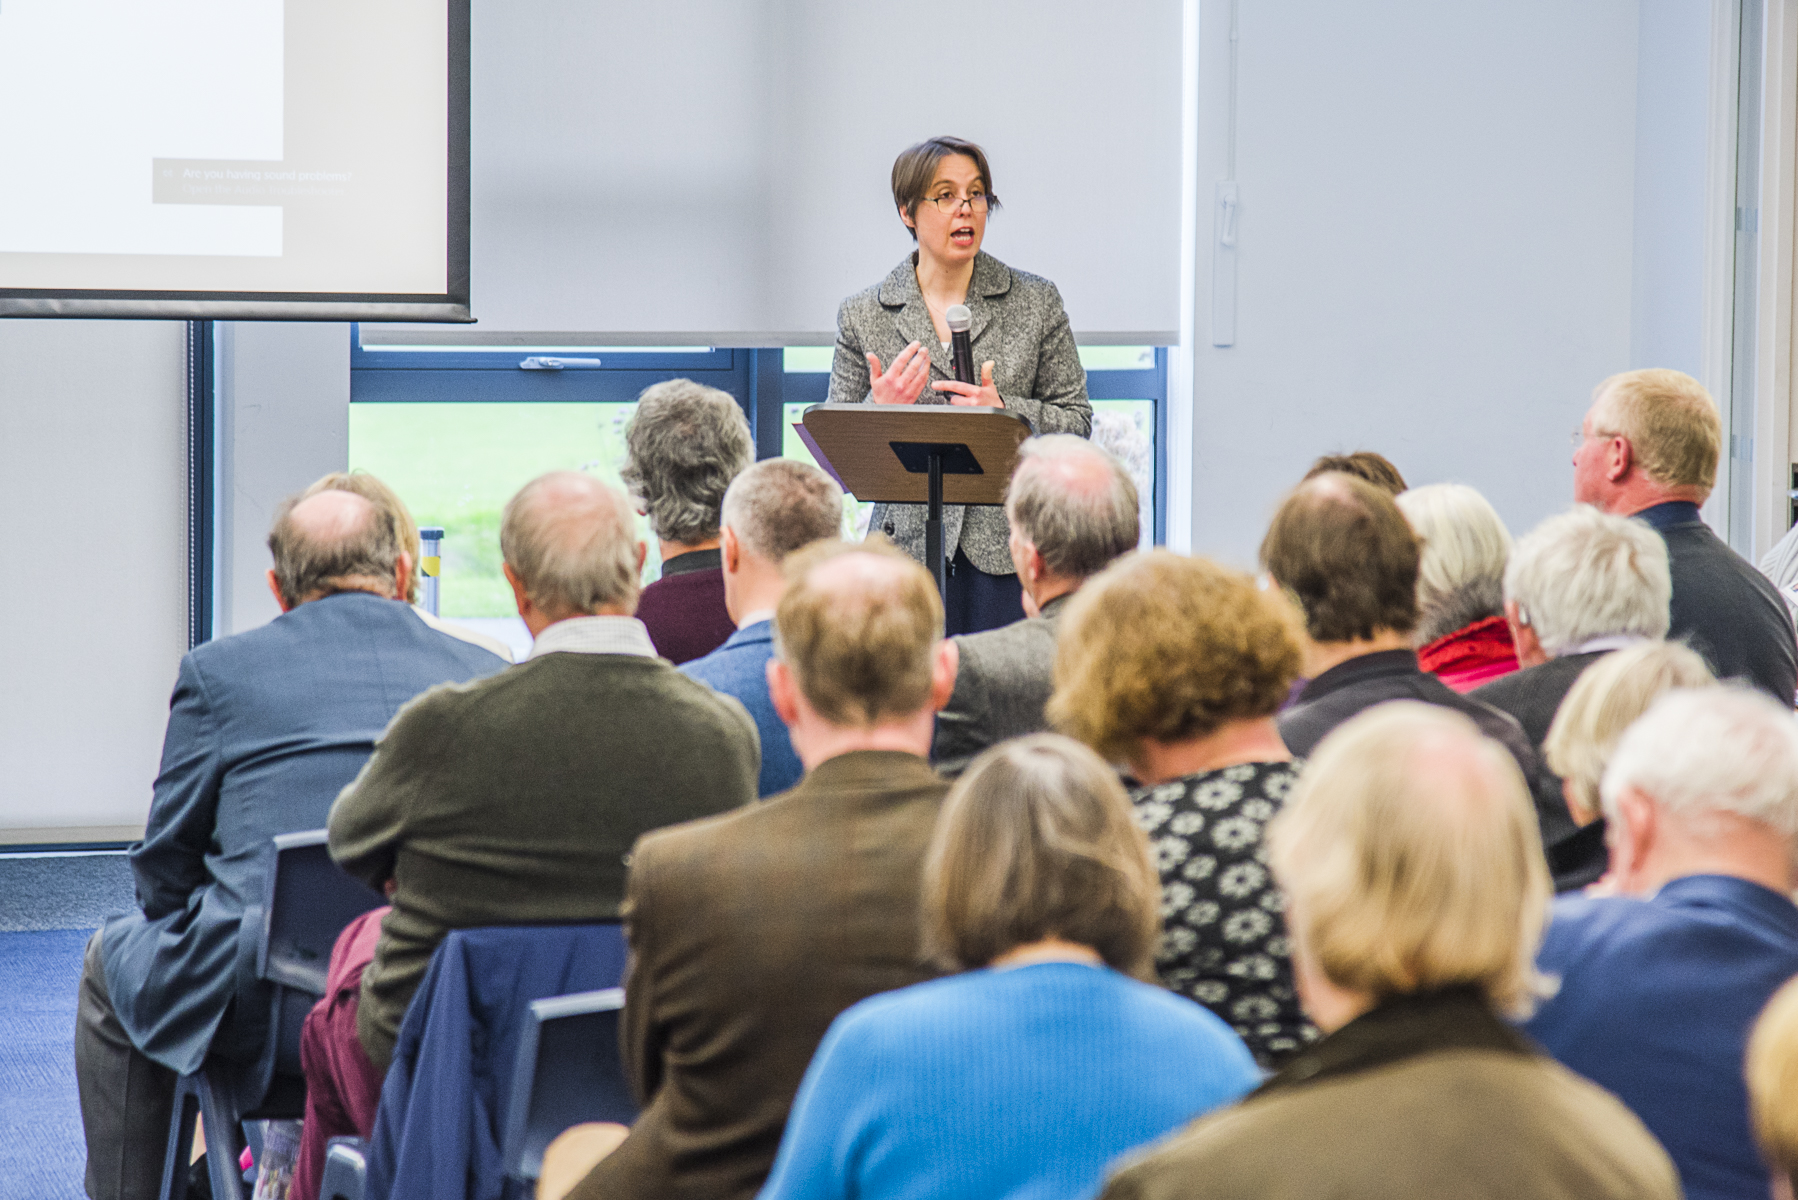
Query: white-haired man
[1578, 586]
[1648, 449]
[1660, 984]
[1073, 509]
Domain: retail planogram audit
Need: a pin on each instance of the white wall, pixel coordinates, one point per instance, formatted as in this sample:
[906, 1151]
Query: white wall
[284, 420]
[93, 482]
[1438, 254]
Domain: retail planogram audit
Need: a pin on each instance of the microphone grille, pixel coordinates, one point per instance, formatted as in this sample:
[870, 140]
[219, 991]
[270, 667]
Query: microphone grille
[958, 318]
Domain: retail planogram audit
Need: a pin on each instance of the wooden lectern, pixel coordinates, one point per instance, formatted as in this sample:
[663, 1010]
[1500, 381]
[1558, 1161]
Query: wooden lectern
[910, 454]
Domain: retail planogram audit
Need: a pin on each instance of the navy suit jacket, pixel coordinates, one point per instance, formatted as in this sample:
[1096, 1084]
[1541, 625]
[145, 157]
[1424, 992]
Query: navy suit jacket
[740, 668]
[1656, 1001]
[265, 728]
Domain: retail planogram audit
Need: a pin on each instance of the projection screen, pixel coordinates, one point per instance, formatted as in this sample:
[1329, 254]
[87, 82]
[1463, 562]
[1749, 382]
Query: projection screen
[282, 159]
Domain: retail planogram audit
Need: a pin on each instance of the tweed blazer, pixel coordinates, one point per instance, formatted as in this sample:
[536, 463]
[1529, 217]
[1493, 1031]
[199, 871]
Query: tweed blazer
[749, 933]
[1020, 327]
[1003, 683]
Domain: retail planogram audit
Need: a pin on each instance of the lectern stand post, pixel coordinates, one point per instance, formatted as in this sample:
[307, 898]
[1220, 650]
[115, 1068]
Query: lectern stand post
[933, 525]
[879, 451]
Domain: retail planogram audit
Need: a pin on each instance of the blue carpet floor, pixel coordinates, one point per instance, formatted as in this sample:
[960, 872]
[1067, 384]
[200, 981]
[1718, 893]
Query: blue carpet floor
[41, 1150]
[48, 909]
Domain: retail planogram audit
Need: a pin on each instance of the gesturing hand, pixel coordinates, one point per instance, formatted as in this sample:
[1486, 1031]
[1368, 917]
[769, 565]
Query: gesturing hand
[904, 380]
[969, 396]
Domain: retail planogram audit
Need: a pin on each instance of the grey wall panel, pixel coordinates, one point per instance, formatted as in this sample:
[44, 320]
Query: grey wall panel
[284, 397]
[1436, 246]
[93, 486]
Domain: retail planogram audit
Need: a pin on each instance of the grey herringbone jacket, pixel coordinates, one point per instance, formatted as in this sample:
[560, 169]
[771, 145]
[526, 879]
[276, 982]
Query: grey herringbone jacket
[1020, 327]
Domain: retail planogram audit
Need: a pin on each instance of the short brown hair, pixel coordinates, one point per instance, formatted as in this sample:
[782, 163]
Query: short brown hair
[1411, 859]
[1038, 840]
[860, 648]
[1671, 421]
[377, 493]
[1167, 647]
[1376, 469]
[1347, 556]
[1773, 1080]
[915, 168]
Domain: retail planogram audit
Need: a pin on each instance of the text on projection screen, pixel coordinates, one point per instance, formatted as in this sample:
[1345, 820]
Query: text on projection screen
[172, 144]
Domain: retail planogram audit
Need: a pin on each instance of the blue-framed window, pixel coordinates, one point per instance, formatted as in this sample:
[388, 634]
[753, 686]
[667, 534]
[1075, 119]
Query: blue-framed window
[456, 431]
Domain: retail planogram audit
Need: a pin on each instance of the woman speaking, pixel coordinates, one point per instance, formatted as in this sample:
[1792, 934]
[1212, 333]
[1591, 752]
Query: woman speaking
[893, 348]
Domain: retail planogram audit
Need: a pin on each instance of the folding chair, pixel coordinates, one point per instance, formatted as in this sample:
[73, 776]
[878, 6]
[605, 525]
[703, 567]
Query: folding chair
[284, 948]
[568, 1071]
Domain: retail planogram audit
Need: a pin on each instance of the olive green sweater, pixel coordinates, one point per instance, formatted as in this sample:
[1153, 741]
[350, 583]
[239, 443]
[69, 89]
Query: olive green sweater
[515, 800]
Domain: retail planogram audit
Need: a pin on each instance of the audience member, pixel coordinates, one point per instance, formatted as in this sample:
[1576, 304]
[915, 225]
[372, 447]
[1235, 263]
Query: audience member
[1648, 449]
[264, 728]
[1603, 702]
[684, 446]
[1038, 885]
[1176, 667]
[1773, 1088]
[752, 931]
[516, 800]
[1364, 465]
[1072, 508]
[377, 493]
[1660, 983]
[1345, 555]
[1461, 635]
[772, 509]
[1579, 586]
[1416, 898]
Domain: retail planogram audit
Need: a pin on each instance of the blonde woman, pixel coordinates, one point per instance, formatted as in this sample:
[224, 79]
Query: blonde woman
[1046, 1060]
[1175, 667]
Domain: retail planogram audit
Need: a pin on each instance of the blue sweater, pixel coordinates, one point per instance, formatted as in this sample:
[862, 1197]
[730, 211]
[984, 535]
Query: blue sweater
[740, 668]
[1021, 1083]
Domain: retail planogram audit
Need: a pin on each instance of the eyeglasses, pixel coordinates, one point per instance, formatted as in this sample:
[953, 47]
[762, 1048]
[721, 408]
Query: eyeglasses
[952, 204]
[1579, 437]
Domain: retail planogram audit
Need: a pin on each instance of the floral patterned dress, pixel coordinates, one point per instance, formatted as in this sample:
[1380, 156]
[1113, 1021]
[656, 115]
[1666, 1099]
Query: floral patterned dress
[1223, 940]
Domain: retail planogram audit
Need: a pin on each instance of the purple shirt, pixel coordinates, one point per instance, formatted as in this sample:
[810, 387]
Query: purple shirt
[684, 609]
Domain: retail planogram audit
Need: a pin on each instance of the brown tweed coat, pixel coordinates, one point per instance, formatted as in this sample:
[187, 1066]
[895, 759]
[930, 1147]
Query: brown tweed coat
[749, 933]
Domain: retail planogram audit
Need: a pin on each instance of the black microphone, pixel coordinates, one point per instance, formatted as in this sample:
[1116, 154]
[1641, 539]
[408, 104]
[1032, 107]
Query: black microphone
[961, 346]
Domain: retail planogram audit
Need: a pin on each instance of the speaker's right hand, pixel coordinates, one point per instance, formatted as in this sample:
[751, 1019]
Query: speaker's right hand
[902, 382]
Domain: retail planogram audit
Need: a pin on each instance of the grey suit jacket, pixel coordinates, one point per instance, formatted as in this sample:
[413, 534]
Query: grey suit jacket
[1020, 327]
[1001, 686]
[265, 728]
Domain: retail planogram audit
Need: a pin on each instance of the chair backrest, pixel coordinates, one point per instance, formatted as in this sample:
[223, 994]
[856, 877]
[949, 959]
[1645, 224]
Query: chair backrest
[568, 1071]
[308, 901]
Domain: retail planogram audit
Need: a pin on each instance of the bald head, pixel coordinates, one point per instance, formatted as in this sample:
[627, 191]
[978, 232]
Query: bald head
[858, 627]
[1074, 503]
[571, 541]
[1411, 858]
[1341, 547]
[333, 542]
